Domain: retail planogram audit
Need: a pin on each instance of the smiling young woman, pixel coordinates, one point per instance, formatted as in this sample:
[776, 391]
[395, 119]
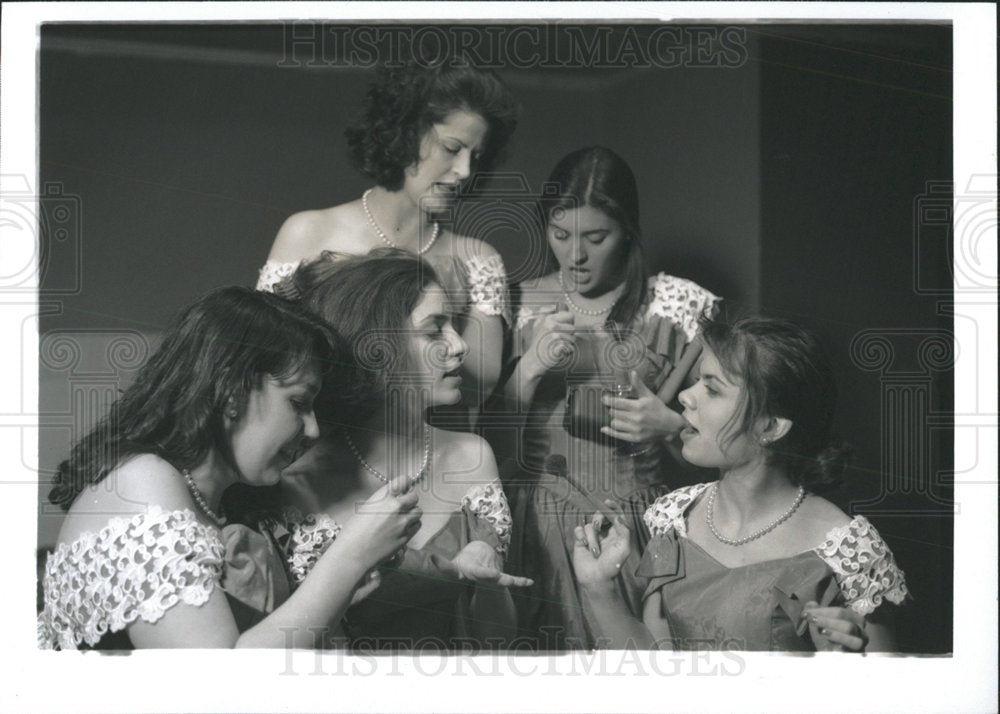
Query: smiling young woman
[424, 130]
[145, 557]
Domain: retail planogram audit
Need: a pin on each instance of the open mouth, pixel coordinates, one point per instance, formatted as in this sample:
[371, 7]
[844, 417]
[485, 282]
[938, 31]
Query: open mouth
[455, 373]
[688, 430]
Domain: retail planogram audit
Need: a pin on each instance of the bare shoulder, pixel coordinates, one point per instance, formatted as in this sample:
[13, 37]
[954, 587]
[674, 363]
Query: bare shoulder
[130, 489]
[464, 457]
[306, 234]
[820, 517]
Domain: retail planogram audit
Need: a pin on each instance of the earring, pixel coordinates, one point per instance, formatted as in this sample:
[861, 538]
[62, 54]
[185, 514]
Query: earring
[232, 414]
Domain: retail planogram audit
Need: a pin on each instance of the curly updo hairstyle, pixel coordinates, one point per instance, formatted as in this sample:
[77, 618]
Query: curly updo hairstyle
[785, 373]
[406, 101]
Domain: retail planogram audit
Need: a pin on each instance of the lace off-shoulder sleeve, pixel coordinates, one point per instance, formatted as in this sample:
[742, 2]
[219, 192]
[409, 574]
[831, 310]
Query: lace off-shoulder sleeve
[682, 301]
[489, 502]
[864, 566]
[667, 512]
[134, 568]
[488, 291]
[310, 536]
[272, 273]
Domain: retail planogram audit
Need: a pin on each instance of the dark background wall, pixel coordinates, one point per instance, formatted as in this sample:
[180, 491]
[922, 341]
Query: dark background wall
[785, 180]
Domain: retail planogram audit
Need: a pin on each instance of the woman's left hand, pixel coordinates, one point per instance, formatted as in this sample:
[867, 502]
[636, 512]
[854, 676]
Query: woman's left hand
[481, 564]
[601, 548]
[642, 418]
[835, 629]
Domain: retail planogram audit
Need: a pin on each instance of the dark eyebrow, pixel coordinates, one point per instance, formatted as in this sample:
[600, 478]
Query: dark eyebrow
[311, 384]
[436, 318]
[716, 378]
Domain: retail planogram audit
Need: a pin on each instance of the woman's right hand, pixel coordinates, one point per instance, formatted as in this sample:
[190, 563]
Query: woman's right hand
[601, 548]
[385, 522]
[552, 344]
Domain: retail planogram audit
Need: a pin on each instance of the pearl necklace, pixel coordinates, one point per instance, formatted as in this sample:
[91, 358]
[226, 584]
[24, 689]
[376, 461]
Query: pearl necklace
[576, 308]
[710, 519]
[381, 476]
[200, 500]
[384, 237]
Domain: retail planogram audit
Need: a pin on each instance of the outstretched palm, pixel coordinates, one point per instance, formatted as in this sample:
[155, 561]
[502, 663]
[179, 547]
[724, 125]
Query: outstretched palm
[481, 564]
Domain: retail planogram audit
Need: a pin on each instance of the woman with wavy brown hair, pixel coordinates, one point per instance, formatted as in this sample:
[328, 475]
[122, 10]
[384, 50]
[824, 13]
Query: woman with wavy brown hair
[756, 560]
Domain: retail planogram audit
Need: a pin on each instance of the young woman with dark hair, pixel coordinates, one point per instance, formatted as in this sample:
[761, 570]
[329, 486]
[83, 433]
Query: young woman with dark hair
[599, 351]
[426, 127]
[449, 584]
[756, 560]
[145, 557]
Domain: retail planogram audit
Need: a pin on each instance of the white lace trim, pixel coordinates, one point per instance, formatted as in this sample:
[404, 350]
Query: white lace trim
[136, 567]
[681, 301]
[489, 502]
[273, 272]
[667, 512]
[864, 566]
[527, 313]
[488, 285]
[860, 560]
[311, 535]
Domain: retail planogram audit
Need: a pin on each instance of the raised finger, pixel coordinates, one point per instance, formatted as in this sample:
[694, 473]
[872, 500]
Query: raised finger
[593, 542]
[598, 520]
[580, 538]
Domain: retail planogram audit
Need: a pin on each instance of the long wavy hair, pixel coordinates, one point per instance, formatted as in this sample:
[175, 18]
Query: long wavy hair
[406, 101]
[596, 176]
[784, 372]
[216, 352]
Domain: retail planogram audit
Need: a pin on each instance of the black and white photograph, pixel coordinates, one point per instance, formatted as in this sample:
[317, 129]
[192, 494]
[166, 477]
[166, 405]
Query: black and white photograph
[408, 346]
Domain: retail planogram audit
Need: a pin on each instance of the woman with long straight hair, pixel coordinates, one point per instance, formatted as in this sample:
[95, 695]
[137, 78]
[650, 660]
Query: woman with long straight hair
[599, 351]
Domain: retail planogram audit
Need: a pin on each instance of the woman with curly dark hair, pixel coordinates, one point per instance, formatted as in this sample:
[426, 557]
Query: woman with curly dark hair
[425, 129]
[756, 560]
[145, 557]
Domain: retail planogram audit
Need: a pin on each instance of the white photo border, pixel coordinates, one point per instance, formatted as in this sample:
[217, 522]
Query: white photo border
[299, 681]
